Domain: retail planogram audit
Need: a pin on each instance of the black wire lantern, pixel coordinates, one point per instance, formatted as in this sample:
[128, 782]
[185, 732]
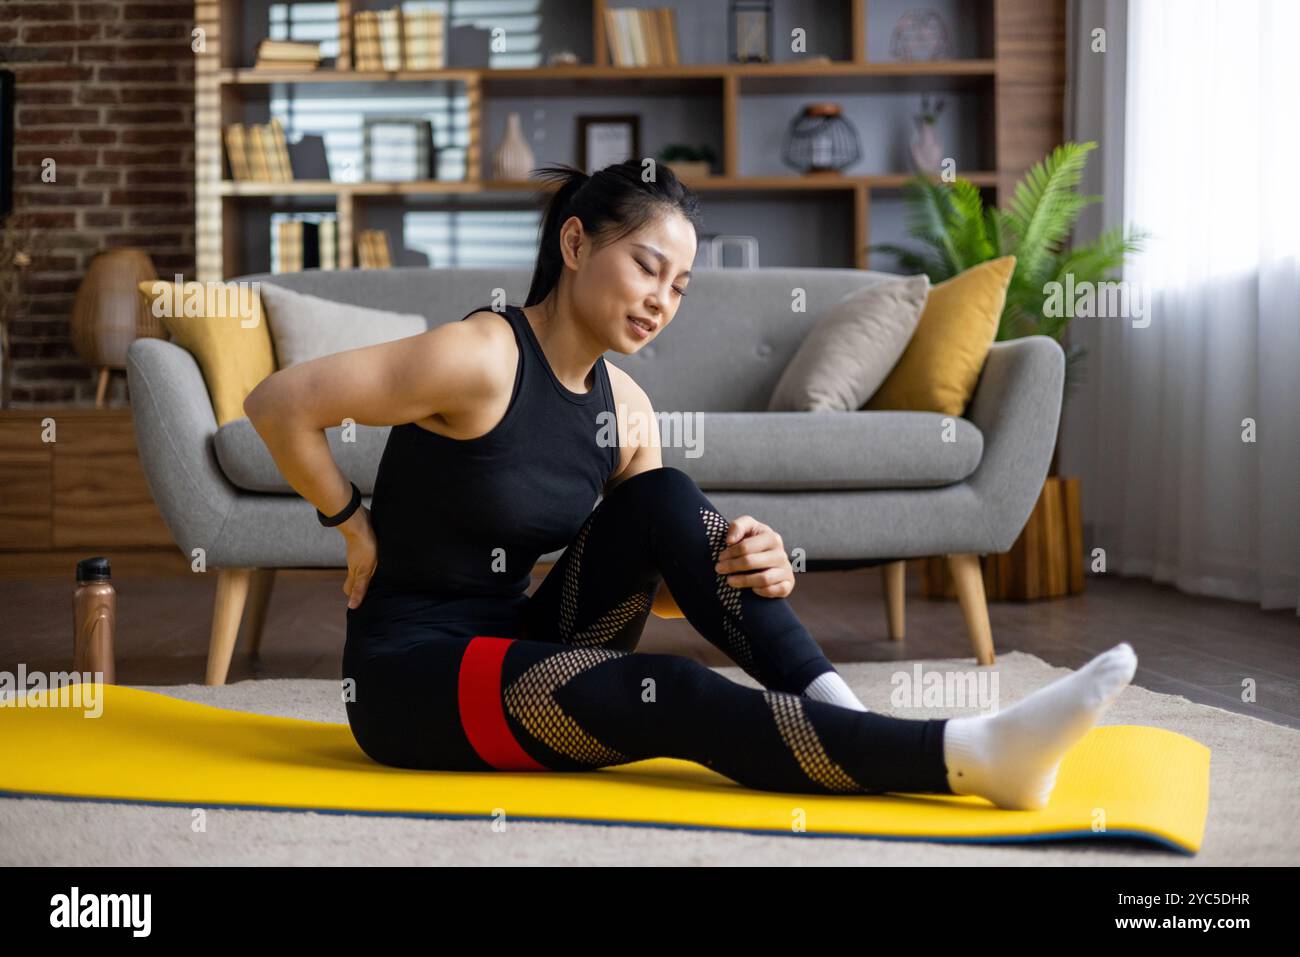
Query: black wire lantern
[751, 25]
[821, 140]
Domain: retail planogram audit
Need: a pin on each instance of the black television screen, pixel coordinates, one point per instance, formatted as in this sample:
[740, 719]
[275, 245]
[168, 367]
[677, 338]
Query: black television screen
[6, 141]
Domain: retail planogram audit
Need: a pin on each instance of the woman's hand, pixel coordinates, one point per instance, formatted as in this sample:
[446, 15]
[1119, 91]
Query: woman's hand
[363, 555]
[753, 547]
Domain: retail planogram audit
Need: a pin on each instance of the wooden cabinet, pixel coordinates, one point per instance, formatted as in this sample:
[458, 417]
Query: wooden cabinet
[71, 478]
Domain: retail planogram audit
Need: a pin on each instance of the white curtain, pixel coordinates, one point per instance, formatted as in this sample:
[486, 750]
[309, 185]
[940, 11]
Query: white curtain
[1202, 119]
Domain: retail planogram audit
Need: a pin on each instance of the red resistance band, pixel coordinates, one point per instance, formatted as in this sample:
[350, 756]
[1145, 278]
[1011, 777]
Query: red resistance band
[481, 712]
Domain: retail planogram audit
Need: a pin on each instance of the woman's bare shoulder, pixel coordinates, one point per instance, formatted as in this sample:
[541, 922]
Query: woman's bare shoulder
[481, 354]
[487, 340]
[494, 326]
[627, 393]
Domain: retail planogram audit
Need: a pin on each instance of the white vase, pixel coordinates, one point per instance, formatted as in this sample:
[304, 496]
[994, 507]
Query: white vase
[927, 150]
[513, 158]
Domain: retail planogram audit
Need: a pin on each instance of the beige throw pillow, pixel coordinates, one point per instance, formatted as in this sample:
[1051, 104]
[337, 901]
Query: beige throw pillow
[852, 348]
[307, 327]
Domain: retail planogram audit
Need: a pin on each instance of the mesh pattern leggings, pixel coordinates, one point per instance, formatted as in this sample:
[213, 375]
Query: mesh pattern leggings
[552, 681]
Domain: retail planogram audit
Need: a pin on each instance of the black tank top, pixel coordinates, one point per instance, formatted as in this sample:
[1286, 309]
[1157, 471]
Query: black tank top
[470, 517]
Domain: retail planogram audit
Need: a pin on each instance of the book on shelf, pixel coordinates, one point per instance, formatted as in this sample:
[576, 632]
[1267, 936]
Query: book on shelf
[291, 241]
[366, 54]
[280, 150]
[667, 20]
[637, 36]
[329, 244]
[306, 244]
[424, 40]
[258, 152]
[372, 250]
[287, 55]
[398, 149]
[284, 66]
[387, 40]
[390, 39]
[237, 151]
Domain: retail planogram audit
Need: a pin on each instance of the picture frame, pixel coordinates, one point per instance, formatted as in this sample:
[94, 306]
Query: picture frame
[606, 138]
[398, 149]
[750, 36]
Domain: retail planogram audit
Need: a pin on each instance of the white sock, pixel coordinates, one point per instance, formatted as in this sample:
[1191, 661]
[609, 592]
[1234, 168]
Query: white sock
[830, 687]
[1011, 758]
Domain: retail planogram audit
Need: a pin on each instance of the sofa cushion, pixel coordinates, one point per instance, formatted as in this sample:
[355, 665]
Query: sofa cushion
[776, 451]
[724, 351]
[941, 365]
[247, 462]
[849, 352]
[781, 451]
[305, 327]
[221, 325]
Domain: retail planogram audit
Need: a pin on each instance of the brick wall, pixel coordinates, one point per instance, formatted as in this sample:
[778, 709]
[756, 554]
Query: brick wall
[106, 90]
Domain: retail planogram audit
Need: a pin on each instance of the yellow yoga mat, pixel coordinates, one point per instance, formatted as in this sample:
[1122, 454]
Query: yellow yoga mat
[1118, 781]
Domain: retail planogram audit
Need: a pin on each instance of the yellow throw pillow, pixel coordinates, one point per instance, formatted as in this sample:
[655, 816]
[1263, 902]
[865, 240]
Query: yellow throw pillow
[223, 327]
[940, 366]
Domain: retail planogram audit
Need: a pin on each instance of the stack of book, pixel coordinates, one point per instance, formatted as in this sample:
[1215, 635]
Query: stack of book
[287, 55]
[372, 250]
[424, 40]
[641, 37]
[393, 40]
[377, 40]
[303, 244]
[258, 152]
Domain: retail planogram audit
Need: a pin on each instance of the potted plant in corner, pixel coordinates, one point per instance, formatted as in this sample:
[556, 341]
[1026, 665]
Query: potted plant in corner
[688, 161]
[1047, 559]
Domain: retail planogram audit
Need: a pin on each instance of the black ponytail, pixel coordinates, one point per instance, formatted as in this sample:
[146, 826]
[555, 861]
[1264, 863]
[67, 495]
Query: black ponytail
[610, 203]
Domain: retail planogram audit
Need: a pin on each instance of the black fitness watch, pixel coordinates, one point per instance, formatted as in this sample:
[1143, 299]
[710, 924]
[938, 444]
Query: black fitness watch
[345, 514]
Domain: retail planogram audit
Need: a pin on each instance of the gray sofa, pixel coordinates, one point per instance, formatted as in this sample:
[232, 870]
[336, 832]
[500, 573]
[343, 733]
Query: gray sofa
[844, 487]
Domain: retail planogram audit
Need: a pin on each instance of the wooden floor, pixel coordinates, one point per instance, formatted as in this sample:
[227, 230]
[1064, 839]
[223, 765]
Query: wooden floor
[1201, 648]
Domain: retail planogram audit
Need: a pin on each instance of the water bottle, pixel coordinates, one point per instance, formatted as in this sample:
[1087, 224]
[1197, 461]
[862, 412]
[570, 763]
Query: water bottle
[94, 611]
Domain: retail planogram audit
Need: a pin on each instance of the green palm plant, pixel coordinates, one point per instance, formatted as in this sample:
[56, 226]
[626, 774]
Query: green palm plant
[952, 222]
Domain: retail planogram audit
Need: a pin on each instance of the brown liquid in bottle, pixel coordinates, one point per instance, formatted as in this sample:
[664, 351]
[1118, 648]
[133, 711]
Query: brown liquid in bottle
[94, 613]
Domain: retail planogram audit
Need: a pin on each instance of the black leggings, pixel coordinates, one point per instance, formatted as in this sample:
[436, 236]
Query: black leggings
[551, 681]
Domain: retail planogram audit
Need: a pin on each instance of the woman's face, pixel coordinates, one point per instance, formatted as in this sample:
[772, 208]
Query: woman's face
[642, 275]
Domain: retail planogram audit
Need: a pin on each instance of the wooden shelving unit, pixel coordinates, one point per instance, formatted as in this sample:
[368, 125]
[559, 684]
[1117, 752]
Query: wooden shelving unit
[933, 74]
[1023, 81]
[325, 187]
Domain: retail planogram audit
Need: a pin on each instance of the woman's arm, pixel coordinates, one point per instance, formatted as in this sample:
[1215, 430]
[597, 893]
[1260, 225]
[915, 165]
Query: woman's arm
[443, 371]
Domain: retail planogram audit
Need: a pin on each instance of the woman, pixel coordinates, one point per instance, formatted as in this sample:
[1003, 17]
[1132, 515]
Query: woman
[496, 457]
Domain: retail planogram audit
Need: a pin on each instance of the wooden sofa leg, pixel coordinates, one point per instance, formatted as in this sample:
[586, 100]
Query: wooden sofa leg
[259, 599]
[969, 582]
[895, 578]
[228, 609]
